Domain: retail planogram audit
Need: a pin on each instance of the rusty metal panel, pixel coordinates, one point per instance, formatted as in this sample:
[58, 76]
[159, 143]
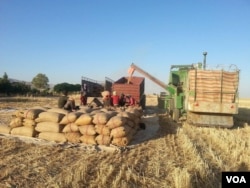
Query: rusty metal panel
[213, 107]
[215, 120]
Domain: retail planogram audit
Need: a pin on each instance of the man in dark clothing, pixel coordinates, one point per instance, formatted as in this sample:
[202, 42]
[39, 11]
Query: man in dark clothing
[62, 101]
[66, 103]
[122, 100]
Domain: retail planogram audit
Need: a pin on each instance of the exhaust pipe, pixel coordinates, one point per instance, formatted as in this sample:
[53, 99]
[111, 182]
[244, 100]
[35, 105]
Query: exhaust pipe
[204, 60]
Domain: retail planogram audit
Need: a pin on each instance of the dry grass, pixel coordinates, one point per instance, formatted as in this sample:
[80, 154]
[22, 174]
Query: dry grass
[178, 156]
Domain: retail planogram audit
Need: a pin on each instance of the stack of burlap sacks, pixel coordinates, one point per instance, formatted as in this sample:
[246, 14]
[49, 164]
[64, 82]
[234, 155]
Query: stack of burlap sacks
[90, 126]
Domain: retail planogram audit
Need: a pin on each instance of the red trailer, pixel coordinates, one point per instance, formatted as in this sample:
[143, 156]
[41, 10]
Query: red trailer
[133, 86]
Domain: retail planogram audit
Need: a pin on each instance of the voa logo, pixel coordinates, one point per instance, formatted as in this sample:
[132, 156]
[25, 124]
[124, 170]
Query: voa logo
[236, 179]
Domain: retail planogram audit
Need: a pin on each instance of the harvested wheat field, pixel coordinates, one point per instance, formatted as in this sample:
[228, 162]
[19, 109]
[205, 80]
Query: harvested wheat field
[165, 154]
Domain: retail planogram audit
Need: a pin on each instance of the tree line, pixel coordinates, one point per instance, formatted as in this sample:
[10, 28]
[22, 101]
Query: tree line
[39, 86]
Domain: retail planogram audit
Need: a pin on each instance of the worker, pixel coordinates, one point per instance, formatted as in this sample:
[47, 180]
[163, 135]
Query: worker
[122, 100]
[127, 100]
[70, 105]
[83, 98]
[106, 100]
[115, 99]
[67, 103]
[131, 101]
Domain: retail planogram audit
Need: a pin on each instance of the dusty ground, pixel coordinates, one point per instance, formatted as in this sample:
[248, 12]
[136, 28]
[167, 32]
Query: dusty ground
[173, 155]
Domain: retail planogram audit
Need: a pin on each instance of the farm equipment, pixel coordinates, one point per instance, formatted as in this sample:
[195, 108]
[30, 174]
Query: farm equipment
[131, 86]
[200, 96]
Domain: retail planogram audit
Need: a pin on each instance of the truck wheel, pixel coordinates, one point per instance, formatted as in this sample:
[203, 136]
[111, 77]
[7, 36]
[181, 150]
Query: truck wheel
[176, 114]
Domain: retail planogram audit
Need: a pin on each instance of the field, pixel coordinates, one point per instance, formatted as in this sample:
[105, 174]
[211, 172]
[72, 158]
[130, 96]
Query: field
[177, 156]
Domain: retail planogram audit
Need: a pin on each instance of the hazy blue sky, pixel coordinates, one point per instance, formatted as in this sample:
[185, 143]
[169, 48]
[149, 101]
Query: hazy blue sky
[67, 39]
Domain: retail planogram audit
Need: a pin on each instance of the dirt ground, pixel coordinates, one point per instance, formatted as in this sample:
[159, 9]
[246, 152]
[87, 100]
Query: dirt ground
[166, 154]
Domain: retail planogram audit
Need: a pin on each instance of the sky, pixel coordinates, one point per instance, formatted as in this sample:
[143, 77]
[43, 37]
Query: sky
[68, 39]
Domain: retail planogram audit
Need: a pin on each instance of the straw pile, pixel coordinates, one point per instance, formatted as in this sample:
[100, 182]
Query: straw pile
[89, 126]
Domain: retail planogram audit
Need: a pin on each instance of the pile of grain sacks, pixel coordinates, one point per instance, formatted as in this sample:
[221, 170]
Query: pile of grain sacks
[97, 126]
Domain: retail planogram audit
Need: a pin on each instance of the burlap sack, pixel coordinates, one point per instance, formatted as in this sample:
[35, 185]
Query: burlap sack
[84, 119]
[101, 118]
[137, 120]
[88, 139]
[29, 123]
[58, 110]
[50, 136]
[102, 129]
[131, 123]
[40, 107]
[73, 137]
[5, 129]
[133, 131]
[49, 117]
[71, 127]
[122, 141]
[32, 113]
[85, 110]
[105, 93]
[138, 112]
[87, 129]
[128, 115]
[23, 131]
[70, 118]
[18, 113]
[112, 113]
[120, 131]
[49, 127]
[16, 122]
[116, 121]
[95, 111]
[103, 139]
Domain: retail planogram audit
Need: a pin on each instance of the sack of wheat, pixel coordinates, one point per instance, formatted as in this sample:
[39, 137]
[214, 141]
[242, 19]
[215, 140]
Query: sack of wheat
[105, 93]
[120, 131]
[5, 129]
[103, 140]
[58, 110]
[122, 141]
[131, 123]
[87, 129]
[31, 113]
[71, 127]
[73, 137]
[88, 139]
[16, 122]
[85, 110]
[102, 129]
[138, 112]
[52, 136]
[70, 118]
[23, 131]
[116, 121]
[128, 115]
[49, 117]
[29, 123]
[49, 127]
[84, 119]
[101, 118]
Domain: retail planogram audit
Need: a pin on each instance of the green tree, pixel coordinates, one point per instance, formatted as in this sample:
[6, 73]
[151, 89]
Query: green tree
[20, 88]
[67, 87]
[5, 85]
[40, 81]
